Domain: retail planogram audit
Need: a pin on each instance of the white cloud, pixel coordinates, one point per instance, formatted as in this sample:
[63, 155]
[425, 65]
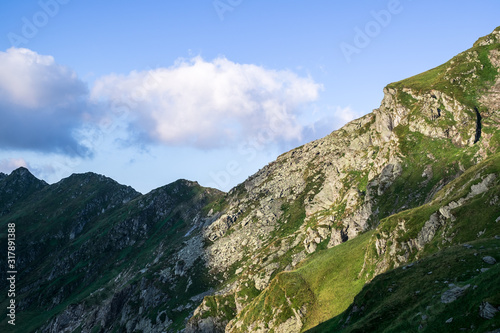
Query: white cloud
[41, 103]
[30, 80]
[46, 108]
[209, 104]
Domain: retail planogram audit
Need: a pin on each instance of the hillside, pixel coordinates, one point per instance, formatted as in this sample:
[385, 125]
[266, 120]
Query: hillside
[327, 192]
[357, 231]
[87, 237]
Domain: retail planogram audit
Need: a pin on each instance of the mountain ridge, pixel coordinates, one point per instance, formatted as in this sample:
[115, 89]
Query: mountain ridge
[292, 246]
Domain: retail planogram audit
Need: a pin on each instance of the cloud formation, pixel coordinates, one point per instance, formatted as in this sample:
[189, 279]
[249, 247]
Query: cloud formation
[41, 103]
[46, 108]
[209, 104]
[9, 164]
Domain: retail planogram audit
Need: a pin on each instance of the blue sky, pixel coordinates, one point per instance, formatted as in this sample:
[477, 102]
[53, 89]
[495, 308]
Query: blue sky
[152, 91]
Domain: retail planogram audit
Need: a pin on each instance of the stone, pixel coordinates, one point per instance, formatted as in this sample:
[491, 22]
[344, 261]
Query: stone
[487, 311]
[489, 260]
[453, 294]
[482, 187]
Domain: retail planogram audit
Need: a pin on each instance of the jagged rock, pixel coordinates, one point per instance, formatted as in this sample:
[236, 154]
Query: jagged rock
[179, 268]
[453, 294]
[219, 227]
[429, 230]
[337, 237]
[482, 187]
[388, 175]
[205, 325]
[487, 311]
[291, 325]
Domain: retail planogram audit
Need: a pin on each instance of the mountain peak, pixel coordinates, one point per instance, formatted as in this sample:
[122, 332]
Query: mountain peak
[86, 178]
[186, 182]
[23, 175]
[21, 171]
[19, 184]
[90, 176]
[79, 183]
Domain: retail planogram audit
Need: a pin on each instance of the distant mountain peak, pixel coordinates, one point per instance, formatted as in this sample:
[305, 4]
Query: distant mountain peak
[88, 175]
[186, 182]
[22, 171]
[19, 184]
[24, 175]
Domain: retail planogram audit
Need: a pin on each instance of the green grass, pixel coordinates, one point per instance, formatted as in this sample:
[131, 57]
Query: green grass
[397, 300]
[332, 276]
[220, 307]
[286, 292]
[396, 310]
[470, 78]
[475, 216]
[325, 285]
[357, 177]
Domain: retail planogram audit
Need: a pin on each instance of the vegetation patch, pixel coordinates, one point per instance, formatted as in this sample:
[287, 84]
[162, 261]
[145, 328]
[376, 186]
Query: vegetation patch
[393, 302]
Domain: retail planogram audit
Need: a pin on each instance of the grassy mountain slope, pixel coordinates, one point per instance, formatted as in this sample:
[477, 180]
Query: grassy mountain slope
[410, 298]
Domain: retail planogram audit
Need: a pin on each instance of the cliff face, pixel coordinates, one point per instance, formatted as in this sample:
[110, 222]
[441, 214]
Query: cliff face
[288, 248]
[428, 131]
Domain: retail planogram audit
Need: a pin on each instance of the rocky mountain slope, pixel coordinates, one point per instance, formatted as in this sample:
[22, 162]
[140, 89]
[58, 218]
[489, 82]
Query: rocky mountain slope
[291, 248]
[88, 245]
[429, 130]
